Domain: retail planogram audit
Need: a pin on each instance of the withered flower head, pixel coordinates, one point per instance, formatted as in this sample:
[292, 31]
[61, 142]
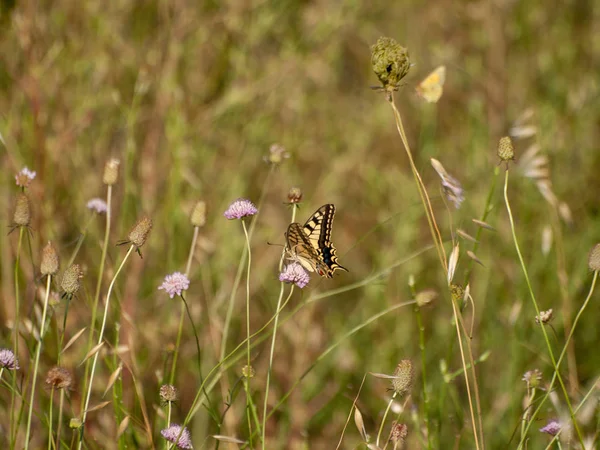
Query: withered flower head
[22, 216]
[532, 378]
[71, 280]
[506, 151]
[59, 378]
[111, 171]
[390, 62]
[594, 258]
[277, 153]
[294, 195]
[49, 265]
[403, 374]
[140, 231]
[398, 433]
[198, 217]
[169, 393]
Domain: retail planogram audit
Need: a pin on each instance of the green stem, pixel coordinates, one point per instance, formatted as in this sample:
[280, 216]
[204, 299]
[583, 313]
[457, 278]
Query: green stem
[177, 343]
[387, 410]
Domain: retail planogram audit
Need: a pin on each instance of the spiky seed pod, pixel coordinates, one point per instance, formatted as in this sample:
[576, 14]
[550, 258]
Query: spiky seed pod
[168, 393]
[49, 265]
[198, 217]
[111, 171]
[59, 378]
[140, 231]
[22, 216]
[390, 62]
[506, 151]
[294, 195]
[594, 258]
[71, 280]
[404, 377]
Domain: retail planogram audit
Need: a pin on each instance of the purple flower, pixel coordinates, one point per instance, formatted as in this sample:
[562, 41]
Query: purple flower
[8, 360]
[175, 284]
[24, 177]
[98, 205]
[172, 433]
[552, 427]
[240, 208]
[295, 273]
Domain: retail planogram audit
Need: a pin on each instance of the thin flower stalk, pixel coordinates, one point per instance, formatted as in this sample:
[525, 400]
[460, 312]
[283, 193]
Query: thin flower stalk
[383, 419]
[537, 310]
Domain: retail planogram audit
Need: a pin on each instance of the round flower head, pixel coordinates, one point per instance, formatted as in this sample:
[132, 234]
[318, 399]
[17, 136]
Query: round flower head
[71, 280]
[172, 433]
[506, 151]
[59, 378]
[240, 208]
[175, 284]
[140, 231]
[399, 432]
[294, 195]
[295, 273]
[552, 428]
[8, 360]
[403, 374]
[277, 153]
[168, 393]
[25, 177]
[390, 62]
[97, 205]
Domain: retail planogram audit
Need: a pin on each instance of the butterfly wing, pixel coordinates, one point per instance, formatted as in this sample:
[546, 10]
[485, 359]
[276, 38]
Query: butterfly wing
[432, 87]
[300, 249]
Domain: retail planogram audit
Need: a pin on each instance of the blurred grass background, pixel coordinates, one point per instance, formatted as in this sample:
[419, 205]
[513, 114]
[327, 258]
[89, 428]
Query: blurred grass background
[191, 95]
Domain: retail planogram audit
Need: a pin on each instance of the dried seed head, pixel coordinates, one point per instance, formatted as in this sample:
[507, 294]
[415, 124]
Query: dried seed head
[398, 433]
[294, 195]
[403, 374]
[457, 292]
[22, 216]
[594, 258]
[198, 217]
[111, 171]
[390, 62]
[532, 378]
[59, 378]
[248, 371]
[506, 151]
[544, 317]
[168, 393]
[140, 231]
[71, 280]
[49, 264]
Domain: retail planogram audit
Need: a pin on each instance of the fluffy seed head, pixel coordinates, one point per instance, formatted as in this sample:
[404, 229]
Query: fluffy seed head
[175, 284]
[168, 393]
[140, 231]
[398, 433]
[198, 217]
[506, 151]
[172, 433]
[49, 265]
[390, 62]
[8, 360]
[240, 208]
[404, 377]
[552, 427]
[111, 171]
[22, 216]
[59, 378]
[295, 273]
[294, 195]
[71, 280]
[594, 258]
[25, 177]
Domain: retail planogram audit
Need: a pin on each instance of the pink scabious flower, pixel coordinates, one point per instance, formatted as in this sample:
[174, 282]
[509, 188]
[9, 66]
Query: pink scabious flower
[175, 284]
[552, 428]
[295, 273]
[240, 208]
[98, 205]
[24, 177]
[8, 360]
[172, 433]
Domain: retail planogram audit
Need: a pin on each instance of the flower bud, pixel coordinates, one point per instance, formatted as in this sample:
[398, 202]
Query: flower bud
[140, 231]
[506, 151]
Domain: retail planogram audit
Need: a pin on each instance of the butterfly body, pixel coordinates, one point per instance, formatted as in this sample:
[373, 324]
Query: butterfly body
[310, 244]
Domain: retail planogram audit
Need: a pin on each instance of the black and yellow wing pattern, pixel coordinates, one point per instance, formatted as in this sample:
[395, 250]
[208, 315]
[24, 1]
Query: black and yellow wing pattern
[310, 244]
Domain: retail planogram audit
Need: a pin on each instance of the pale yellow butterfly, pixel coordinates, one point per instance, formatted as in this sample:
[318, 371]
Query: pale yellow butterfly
[432, 87]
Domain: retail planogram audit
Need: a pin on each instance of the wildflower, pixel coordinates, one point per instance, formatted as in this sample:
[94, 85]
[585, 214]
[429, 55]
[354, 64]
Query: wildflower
[398, 433]
[22, 215]
[240, 208]
[544, 317]
[403, 377]
[59, 378]
[49, 265]
[248, 371]
[594, 258]
[450, 185]
[506, 151]
[173, 432]
[532, 378]
[295, 273]
[168, 393]
[71, 280]
[98, 205]
[111, 171]
[294, 195]
[198, 217]
[390, 62]
[552, 427]
[25, 177]
[175, 284]
[277, 153]
[8, 360]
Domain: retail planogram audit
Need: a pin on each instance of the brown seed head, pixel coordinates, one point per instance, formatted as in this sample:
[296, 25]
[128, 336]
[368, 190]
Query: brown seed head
[506, 151]
[545, 316]
[390, 62]
[198, 217]
[404, 377]
[457, 292]
[168, 393]
[398, 433]
[22, 216]
[71, 280]
[594, 258]
[59, 378]
[140, 231]
[49, 264]
[294, 195]
[111, 171]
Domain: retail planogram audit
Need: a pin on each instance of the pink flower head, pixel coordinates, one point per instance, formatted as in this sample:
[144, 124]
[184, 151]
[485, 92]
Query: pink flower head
[24, 177]
[240, 208]
[552, 427]
[98, 205]
[175, 284]
[172, 433]
[8, 360]
[295, 273]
